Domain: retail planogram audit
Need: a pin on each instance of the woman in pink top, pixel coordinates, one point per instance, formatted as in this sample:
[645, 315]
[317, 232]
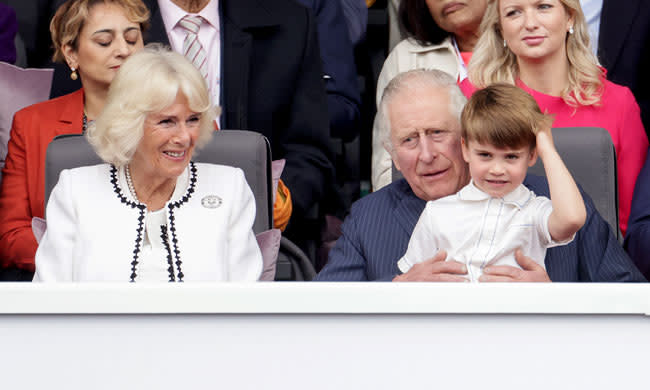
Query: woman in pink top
[543, 47]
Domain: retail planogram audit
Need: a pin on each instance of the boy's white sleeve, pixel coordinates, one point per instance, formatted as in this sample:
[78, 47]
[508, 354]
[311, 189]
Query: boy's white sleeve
[543, 209]
[423, 243]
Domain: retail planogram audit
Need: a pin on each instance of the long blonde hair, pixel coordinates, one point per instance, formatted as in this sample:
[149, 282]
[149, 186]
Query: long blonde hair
[493, 63]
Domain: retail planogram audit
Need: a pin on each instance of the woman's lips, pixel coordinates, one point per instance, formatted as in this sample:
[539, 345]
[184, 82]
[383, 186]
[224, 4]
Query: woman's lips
[451, 8]
[534, 41]
[175, 155]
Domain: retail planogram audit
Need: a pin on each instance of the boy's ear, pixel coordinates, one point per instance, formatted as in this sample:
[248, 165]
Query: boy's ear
[533, 157]
[464, 149]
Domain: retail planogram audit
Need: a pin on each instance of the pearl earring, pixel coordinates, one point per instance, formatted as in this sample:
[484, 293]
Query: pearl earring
[73, 75]
[571, 30]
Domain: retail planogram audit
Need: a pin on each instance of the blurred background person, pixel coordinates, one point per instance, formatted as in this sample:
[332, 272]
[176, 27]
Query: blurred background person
[94, 38]
[544, 49]
[441, 35]
[8, 29]
[150, 213]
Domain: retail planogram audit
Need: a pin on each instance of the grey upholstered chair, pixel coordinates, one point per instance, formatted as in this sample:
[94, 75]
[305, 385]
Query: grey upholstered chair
[589, 154]
[247, 150]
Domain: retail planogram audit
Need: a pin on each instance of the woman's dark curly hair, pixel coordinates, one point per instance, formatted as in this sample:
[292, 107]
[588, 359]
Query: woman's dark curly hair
[416, 20]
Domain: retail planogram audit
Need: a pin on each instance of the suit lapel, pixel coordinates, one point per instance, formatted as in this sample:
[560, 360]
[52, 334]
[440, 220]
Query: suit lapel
[616, 22]
[156, 31]
[241, 21]
[70, 120]
[408, 209]
[236, 69]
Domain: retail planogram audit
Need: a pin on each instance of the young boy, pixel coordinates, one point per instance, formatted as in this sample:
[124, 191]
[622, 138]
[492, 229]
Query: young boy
[503, 132]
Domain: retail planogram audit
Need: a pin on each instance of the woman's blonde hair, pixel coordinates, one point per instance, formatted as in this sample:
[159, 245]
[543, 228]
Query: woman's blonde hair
[148, 82]
[504, 116]
[493, 63]
[71, 16]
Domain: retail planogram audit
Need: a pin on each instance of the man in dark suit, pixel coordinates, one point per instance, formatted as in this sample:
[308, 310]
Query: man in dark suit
[377, 231]
[270, 82]
[637, 238]
[624, 48]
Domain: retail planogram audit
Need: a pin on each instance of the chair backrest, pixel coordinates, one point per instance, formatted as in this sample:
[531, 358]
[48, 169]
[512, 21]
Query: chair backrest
[247, 150]
[588, 153]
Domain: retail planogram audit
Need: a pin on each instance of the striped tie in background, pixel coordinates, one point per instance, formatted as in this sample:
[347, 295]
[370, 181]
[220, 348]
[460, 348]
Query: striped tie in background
[192, 48]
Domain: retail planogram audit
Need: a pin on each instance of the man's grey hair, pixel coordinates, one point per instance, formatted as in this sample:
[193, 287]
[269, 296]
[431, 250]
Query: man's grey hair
[414, 80]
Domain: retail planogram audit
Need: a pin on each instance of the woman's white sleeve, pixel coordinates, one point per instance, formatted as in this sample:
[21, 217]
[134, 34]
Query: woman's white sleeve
[244, 256]
[54, 256]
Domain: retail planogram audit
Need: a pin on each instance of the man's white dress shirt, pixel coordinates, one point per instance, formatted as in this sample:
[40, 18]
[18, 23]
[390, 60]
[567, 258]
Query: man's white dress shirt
[209, 37]
[592, 10]
[478, 230]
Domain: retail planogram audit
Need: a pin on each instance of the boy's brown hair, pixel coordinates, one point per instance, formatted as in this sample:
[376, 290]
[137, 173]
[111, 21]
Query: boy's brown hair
[504, 116]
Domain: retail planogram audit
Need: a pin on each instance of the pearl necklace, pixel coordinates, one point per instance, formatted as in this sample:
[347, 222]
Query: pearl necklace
[129, 183]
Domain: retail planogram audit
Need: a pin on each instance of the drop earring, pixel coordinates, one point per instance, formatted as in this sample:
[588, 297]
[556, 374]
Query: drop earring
[504, 43]
[73, 74]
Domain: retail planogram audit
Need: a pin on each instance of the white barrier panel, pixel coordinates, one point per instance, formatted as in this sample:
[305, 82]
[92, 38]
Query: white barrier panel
[324, 336]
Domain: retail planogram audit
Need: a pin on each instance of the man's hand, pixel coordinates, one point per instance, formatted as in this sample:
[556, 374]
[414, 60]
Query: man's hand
[530, 272]
[435, 269]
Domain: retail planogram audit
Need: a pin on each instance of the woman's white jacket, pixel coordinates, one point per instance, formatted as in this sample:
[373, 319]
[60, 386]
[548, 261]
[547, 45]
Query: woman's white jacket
[95, 228]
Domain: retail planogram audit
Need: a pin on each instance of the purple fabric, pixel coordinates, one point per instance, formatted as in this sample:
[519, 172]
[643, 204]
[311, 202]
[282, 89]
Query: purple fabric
[19, 88]
[38, 227]
[8, 29]
[277, 166]
[269, 243]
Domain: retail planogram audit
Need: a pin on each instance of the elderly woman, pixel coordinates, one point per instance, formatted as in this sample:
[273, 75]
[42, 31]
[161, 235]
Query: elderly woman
[442, 34]
[543, 47]
[150, 213]
[94, 37]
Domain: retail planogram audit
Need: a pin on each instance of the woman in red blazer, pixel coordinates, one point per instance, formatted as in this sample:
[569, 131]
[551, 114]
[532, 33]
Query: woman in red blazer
[94, 39]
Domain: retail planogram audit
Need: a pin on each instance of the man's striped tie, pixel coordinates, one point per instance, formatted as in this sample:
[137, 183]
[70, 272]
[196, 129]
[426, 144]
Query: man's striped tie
[192, 48]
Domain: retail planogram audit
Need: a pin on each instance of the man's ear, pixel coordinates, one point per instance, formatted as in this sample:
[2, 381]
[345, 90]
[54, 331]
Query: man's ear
[464, 149]
[70, 55]
[532, 157]
[393, 155]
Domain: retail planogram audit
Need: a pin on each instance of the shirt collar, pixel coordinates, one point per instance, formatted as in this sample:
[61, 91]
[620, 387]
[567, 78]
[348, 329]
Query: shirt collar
[517, 197]
[172, 14]
[418, 48]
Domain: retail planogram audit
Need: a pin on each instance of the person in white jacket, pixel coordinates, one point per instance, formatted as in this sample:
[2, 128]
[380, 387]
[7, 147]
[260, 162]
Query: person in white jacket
[150, 213]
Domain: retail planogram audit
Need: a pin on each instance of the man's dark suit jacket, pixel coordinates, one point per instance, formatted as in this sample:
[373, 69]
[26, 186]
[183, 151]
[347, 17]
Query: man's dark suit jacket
[340, 73]
[624, 48]
[637, 238]
[272, 83]
[378, 229]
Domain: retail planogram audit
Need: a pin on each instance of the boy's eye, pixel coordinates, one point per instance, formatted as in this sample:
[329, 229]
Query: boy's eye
[512, 157]
[484, 154]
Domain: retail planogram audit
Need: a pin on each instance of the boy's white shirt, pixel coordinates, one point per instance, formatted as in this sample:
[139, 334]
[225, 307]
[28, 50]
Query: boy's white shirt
[479, 230]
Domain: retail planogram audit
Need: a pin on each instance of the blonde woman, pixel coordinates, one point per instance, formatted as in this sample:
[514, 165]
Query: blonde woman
[543, 47]
[150, 213]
